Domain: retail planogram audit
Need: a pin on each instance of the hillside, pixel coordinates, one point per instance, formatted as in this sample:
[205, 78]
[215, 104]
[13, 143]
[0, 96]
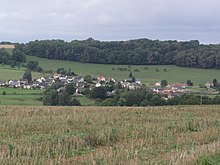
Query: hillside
[136, 52]
[76, 135]
[8, 73]
[146, 73]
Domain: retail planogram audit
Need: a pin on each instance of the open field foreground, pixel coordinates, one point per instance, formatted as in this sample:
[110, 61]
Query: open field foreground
[118, 135]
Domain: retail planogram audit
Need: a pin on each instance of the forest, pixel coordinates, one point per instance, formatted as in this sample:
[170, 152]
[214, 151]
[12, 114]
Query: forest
[134, 52]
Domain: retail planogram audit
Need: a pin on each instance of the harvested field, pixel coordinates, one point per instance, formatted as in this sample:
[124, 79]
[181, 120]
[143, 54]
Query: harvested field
[7, 46]
[108, 135]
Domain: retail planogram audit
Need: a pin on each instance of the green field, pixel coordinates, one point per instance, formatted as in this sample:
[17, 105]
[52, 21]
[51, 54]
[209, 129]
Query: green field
[110, 135]
[173, 73]
[8, 73]
[20, 96]
[16, 96]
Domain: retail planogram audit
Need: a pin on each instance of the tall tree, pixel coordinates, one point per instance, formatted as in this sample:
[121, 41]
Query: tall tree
[27, 75]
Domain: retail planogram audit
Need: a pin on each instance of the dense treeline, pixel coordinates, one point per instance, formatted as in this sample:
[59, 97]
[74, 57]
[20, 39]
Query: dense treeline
[141, 51]
[143, 97]
[15, 59]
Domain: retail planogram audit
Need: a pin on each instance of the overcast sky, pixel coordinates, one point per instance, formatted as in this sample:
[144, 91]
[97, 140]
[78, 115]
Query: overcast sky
[25, 20]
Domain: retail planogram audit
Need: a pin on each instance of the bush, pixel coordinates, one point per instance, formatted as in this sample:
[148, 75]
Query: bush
[3, 93]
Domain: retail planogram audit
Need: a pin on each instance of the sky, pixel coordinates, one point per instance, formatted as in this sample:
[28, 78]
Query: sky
[107, 20]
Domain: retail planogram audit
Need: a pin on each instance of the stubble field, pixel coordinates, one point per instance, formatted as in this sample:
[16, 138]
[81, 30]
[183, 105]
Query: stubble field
[111, 135]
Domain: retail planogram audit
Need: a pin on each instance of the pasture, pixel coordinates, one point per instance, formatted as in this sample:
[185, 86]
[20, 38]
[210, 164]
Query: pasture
[147, 74]
[16, 96]
[111, 135]
[7, 73]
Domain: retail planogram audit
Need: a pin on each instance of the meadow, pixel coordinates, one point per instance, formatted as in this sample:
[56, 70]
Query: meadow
[147, 74]
[8, 73]
[16, 96]
[109, 135]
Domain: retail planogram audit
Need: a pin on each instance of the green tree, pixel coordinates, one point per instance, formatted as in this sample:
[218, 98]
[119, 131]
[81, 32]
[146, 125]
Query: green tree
[133, 79]
[98, 92]
[130, 75]
[189, 83]
[18, 56]
[50, 97]
[27, 75]
[70, 89]
[88, 79]
[32, 65]
[164, 83]
[75, 102]
[63, 98]
[215, 82]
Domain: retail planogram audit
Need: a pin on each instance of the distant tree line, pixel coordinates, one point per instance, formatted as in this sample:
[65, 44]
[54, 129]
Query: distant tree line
[137, 52]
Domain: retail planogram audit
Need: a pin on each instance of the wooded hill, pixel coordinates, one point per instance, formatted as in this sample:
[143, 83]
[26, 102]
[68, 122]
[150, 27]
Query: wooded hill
[137, 52]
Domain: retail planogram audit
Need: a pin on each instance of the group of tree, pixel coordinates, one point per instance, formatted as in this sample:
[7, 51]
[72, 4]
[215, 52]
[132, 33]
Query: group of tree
[18, 58]
[63, 71]
[15, 59]
[57, 95]
[145, 97]
[140, 51]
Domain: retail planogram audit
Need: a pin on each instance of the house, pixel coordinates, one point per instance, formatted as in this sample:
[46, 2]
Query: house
[14, 83]
[23, 81]
[101, 78]
[178, 87]
[98, 84]
[157, 84]
[28, 86]
[56, 76]
[209, 85]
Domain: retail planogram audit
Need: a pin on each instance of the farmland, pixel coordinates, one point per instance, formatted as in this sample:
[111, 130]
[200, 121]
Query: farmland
[16, 96]
[147, 74]
[113, 135]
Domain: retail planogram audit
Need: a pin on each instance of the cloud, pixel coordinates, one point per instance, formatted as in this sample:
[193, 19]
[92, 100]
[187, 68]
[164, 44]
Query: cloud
[26, 20]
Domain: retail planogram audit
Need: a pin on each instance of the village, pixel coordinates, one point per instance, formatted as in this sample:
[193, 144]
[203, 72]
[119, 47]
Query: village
[170, 90]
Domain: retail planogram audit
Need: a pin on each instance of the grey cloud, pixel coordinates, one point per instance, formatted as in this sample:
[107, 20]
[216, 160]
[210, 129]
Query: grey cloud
[26, 20]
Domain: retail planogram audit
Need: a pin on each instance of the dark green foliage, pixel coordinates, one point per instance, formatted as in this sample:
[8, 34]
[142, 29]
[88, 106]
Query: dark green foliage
[4, 56]
[140, 51]
[165, 70]
[75, 102]
[15, 59]
[188, 100]
[164, 83]
[88, 78]
[27, 75]
[54, 98]
[50, 97]
[65, 72]
[3, 93]
[215, 82]
[33, 66]
[18, 55]
[133, 79]
[70, 89]
[98, 93]
[189, 83]
[130, 75]
[216, 100]
[63, 98]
